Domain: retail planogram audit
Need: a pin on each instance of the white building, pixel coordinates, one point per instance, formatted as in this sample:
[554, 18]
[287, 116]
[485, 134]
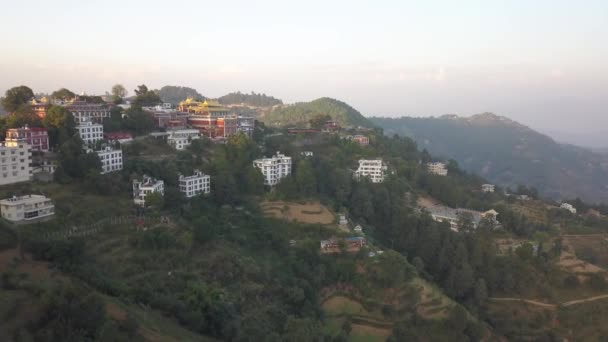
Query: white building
[146, 186]
[437, 169]
[181, 138]
[15, 163]
[488, 188]
[568, 207]
[90, 132]
[373, 169]
[111, 160]
[26, 208]
[274, 169]
[307, 154]
[198, 183]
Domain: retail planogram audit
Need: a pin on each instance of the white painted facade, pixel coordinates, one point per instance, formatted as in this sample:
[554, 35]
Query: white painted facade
[111, 160]
[90, 132]
[15, 163]
[437, 168]
[181, 138]
[274, 168]
[568, 207]
[488, 188]
[198, 183]
[374, 169]
[145, 187]
[26, 208]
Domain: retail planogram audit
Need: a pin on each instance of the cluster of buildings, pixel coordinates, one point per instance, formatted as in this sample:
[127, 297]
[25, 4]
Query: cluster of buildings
[209, 117]
[194, 185]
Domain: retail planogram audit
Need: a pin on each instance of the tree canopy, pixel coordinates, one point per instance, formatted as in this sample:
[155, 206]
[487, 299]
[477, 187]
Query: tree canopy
[252, 99]
[145, 97]
[175, 94]
[16, 98]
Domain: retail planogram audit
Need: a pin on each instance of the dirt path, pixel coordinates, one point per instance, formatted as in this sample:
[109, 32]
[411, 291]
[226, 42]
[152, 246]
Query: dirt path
[585, 300]
[529, 301]
[549, 305]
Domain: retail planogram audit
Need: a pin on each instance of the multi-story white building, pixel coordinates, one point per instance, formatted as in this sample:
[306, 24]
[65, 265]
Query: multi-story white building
[274, 168]
[15, 163]
[111, 159]
[146, 186]
[437, 168]
[26, 208]
[181, 138]
[568, 207]
[488, 188]
[198, 183]
[90, 132]
[373, 169]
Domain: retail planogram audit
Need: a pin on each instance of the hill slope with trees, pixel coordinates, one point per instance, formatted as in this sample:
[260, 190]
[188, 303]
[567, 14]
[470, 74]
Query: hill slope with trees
[508, 153]
[301, 113]
[253, 99]
[175, 94]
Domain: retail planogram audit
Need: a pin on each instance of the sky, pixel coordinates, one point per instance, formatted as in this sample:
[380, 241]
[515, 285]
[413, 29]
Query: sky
[543, 63]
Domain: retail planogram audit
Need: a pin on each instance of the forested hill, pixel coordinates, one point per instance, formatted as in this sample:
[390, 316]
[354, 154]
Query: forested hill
[253, 99]
[299, 114]
[175, 94]
[508, 153]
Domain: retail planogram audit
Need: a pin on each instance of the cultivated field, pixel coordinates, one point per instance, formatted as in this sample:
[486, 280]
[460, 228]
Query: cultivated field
[310, 212]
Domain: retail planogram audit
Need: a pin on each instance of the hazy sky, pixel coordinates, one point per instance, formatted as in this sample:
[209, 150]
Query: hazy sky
[544, 63]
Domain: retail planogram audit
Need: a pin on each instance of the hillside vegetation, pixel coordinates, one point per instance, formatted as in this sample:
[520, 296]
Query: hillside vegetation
[253, 99]
[301, 113]
[175, 94]
[508, 153]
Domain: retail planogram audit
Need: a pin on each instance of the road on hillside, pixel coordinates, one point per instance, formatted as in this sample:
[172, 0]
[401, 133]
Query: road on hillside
[548, 305]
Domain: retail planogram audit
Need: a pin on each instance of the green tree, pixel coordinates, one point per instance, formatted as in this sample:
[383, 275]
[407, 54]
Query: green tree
[319, 120]
[145, 97]
[119, 92]
[155, 200]
[60, 124]
[305, 178]
[23, 116]
[138, 121]
[16, 98]
[481, 292]
[63, 94]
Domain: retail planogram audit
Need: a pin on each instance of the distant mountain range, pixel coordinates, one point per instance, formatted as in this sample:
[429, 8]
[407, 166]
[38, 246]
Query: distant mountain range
[508, 153]
[300, 113]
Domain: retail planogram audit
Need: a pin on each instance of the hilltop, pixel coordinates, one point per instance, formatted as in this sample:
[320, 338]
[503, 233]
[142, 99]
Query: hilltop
[508, 153]
[300, 113]
[253, 99]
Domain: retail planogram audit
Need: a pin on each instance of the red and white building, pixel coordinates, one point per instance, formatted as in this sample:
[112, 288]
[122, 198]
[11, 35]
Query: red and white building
[36, 137]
